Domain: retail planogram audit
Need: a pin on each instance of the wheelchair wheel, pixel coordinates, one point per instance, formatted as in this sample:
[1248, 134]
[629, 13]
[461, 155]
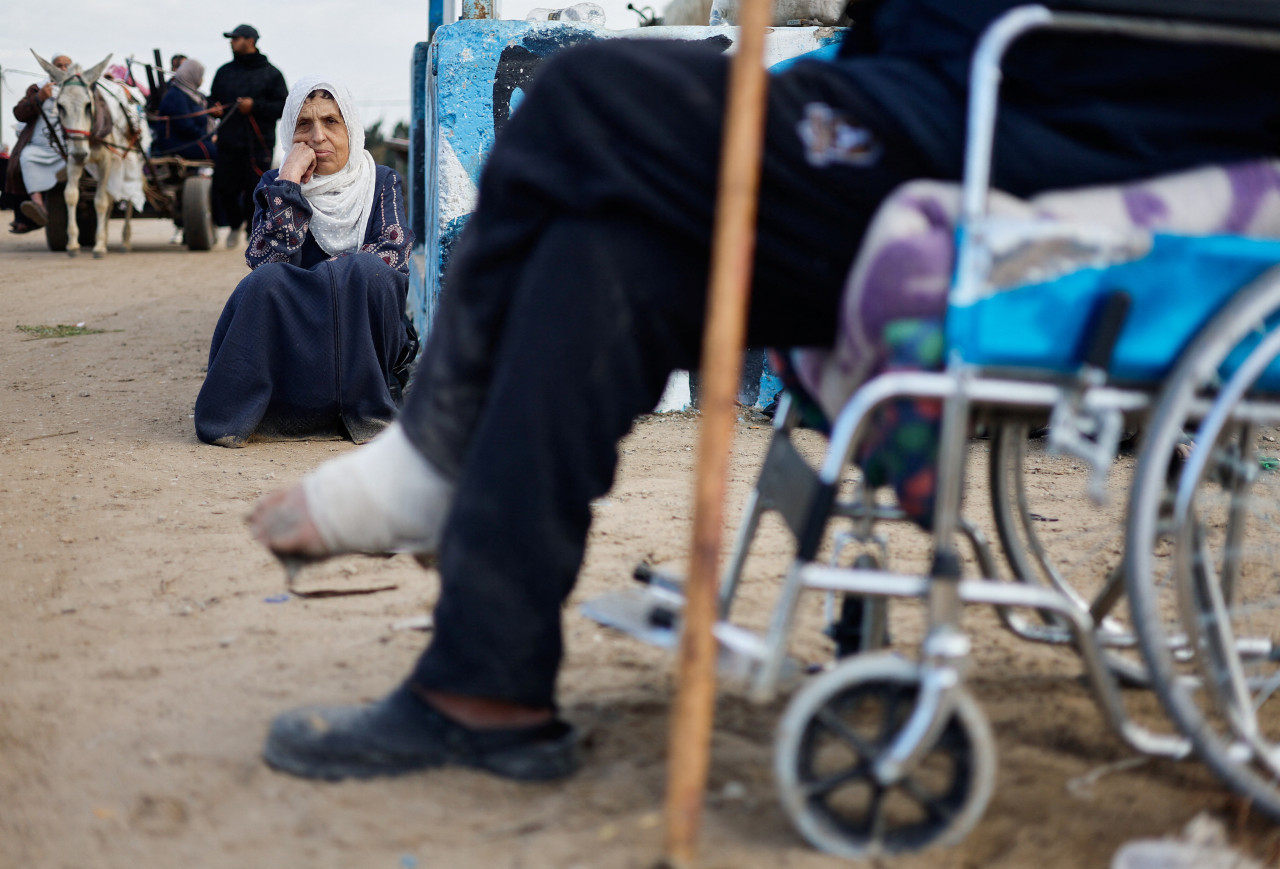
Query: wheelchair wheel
[1053, 535]
[829, 739]
[1206, 522]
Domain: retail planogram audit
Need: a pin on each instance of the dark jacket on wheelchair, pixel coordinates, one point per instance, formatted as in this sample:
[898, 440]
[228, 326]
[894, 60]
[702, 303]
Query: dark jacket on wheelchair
[1076, 108]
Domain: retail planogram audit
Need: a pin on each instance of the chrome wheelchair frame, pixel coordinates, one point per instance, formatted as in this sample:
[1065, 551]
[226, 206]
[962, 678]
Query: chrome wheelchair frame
[927, 744]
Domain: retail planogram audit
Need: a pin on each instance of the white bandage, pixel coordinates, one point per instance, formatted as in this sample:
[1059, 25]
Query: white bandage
[382, 497]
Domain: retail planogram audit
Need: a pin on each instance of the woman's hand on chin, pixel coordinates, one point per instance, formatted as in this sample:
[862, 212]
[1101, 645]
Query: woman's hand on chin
[299, 164]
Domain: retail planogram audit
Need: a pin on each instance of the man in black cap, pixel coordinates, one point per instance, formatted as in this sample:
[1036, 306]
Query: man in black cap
[252, 92]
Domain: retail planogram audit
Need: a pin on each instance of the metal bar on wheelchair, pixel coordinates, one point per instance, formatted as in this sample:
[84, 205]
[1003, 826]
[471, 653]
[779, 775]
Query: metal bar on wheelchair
[946, 651]
[984, 87]
[1222, 411]
[980, 390]
[985, 74]
[1006, 594]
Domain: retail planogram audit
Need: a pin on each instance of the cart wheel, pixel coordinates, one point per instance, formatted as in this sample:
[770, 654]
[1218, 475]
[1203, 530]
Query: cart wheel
[55, 231]
[830, 738]
[197, 213]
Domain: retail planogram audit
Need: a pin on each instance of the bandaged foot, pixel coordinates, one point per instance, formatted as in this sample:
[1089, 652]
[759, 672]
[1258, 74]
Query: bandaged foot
[383, 497]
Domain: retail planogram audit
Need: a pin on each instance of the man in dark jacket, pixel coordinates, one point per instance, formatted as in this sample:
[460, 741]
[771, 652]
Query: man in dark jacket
[252, 92]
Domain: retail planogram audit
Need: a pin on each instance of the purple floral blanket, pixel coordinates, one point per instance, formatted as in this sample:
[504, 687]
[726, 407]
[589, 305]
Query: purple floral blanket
[904, 270]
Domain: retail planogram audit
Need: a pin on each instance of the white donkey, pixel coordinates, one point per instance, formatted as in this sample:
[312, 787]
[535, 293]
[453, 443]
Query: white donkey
[104, 132]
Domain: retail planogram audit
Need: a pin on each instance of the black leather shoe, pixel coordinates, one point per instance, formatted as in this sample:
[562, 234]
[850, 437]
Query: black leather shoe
[401, 733]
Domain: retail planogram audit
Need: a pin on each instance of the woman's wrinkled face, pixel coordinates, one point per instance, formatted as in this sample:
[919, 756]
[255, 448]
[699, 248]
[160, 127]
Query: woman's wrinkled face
[321, 128]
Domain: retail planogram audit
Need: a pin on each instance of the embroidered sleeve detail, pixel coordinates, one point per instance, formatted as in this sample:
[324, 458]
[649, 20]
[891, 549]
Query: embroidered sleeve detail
[394, 241]
[281, 218]
[390, 247]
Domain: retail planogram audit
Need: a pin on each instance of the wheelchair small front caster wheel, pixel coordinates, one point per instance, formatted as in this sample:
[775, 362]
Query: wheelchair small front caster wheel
[830, 738]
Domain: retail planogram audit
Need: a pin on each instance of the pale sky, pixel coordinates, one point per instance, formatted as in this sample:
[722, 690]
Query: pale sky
[366, 43]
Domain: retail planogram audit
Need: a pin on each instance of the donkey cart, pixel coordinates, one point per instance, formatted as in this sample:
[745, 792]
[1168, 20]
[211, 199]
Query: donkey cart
[175, 188]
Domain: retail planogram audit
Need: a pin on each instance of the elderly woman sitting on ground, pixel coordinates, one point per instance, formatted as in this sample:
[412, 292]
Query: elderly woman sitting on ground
[314, 342]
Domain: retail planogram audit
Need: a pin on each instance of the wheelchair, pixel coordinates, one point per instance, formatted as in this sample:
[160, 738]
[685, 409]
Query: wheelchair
[1098, 332]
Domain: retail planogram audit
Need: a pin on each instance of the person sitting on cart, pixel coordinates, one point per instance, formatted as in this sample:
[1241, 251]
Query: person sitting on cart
[38, 156]
[183, 126]
[579, 284]
[315, 340]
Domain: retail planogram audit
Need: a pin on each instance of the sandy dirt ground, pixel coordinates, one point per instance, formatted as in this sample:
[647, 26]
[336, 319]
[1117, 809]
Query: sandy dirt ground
[145, 643]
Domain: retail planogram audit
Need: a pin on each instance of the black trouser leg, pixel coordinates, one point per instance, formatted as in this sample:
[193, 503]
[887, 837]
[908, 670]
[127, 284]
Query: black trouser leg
[584, 350]
[234, 179]
[578, 286]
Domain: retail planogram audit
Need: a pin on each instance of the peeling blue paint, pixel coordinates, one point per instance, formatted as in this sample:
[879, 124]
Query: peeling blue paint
[481, 67]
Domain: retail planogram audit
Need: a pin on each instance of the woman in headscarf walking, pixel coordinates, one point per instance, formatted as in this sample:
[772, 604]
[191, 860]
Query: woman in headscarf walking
[315, 340]
[182, 127]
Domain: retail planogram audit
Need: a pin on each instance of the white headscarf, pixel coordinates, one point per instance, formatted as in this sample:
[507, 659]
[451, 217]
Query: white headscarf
[341, 202]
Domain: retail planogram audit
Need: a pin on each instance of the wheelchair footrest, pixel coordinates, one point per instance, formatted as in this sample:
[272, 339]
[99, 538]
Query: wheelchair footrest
[652, 618]
[652, 614]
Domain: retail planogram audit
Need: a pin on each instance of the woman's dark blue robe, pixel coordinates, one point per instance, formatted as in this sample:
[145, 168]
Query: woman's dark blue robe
[180, 130]
[308, 344]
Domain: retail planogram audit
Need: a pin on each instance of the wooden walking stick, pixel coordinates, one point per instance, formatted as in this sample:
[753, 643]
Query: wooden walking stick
[733, 246]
